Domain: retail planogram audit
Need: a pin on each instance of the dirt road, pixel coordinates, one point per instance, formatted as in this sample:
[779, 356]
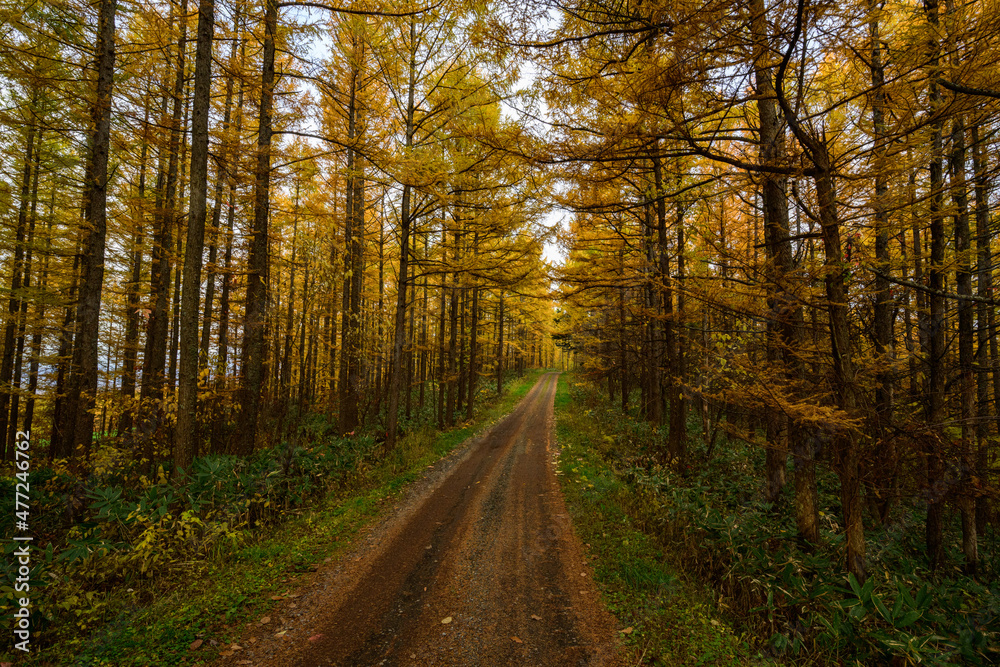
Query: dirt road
[479, 566]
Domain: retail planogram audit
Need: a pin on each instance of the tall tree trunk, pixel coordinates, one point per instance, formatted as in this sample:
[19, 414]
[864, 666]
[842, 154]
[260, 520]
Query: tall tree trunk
[399, 322]
[155, 351]
[442, 372]
[223, 173]
[351, 306]
[286, 357]
[666, 295]
[500, 346]
[254, 350]
[134, 297]
[844, 380]
[883, 487]
[780, 302]
[411, 336]
[23, 316]
[967, 386]
[678, 404]
[61, 436]
[349, 409]
[423, 331]
[380, 316]
[39, 327]
[460, 378]
[936, 275]
[654, 386]
[845, 445]
[985, 320]
[211, 269]
[83, 382]
[452, 372]
[883, 333]
[622, 354]
[919, 384]
[185, 444]
[474, 340]
[220, 443]
[303, 358]
[175, 320]
[331, 332]
[17, 275]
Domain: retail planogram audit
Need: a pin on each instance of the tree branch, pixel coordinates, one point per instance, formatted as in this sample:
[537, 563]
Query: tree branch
[356, 12]
[966, 90]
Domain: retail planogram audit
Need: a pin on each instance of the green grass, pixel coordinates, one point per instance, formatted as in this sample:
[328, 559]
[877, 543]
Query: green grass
[215, 599]
[673, 620]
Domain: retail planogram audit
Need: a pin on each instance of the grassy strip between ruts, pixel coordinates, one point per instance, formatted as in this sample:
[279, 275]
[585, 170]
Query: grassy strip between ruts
[671, 621]
[215, 602]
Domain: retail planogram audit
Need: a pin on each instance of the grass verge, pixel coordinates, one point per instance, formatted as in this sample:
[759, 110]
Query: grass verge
[213, 599]
[673, 621]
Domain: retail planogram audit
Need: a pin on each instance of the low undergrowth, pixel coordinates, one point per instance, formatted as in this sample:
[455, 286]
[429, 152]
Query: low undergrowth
[793, 604]
[144, 570]
[671, 619]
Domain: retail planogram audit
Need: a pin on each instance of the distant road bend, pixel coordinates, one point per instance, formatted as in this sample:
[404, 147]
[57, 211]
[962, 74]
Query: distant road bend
[478, 567]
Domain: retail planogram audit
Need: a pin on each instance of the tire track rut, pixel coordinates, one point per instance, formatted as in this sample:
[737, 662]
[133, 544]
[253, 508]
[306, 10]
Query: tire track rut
[489, 545]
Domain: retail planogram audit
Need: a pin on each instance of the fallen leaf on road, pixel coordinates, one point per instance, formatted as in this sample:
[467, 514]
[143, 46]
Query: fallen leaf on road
[195, 645]
[446, 620]
[253, 640]
[517, 640]
[315, 638]
[226, 654]
[235, 647]
[265, 620]
[627, 631]
[536, 618]
[280, 634]
[275, 597]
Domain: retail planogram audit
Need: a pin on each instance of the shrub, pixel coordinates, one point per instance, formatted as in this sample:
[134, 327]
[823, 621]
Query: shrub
[120, 530]
[716, 524]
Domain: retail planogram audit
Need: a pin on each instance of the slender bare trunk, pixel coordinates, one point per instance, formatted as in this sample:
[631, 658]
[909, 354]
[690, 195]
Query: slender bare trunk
[83, 382]
[255, 320]
[185, 444]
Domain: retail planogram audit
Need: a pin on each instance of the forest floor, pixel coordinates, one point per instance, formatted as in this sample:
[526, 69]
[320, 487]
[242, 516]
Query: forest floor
[477, 565]
[508, 540]
[673, 617]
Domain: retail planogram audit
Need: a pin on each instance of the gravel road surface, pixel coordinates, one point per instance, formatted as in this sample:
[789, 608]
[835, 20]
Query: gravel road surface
[478, 565]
